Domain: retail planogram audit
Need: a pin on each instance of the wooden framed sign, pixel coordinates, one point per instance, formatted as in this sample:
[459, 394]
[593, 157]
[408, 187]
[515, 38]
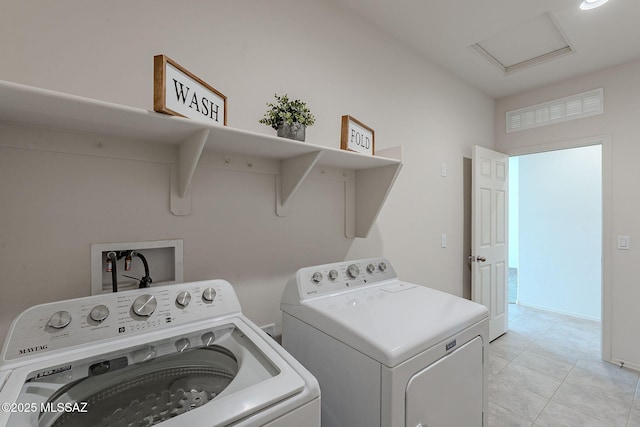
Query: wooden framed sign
[178, 92]
[356, 136]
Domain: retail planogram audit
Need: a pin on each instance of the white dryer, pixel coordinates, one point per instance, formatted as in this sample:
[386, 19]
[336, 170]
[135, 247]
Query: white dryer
[387, 353]
[175, 355]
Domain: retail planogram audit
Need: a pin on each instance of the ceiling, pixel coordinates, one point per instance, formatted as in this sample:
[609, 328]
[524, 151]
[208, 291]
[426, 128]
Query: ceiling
[445, 31]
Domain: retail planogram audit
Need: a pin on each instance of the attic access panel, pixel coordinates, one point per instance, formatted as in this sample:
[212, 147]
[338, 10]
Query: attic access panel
[533, 42]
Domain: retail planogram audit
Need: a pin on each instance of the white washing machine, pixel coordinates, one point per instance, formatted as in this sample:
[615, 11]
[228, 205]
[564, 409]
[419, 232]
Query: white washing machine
[175, 355]
[387, 353]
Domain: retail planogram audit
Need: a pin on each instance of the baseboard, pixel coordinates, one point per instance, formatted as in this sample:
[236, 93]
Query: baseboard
[566, 313]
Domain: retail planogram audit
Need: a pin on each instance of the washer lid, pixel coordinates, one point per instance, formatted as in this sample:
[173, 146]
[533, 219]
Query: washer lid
[390, 322]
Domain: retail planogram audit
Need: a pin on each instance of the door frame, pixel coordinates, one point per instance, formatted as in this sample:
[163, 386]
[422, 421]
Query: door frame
[607, 240]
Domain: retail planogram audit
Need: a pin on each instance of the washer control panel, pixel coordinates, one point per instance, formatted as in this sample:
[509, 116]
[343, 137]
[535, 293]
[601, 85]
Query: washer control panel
[59, 325]
[342, 276]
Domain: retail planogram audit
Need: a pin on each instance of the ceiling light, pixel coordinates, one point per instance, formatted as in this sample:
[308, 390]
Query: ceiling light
[592, 4]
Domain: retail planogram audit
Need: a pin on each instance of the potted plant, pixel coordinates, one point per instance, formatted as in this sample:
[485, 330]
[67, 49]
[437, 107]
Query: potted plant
[289, 117]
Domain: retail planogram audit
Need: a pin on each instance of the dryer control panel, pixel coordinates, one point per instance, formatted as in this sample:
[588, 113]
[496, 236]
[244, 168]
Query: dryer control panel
[329, 279]
[54, 326]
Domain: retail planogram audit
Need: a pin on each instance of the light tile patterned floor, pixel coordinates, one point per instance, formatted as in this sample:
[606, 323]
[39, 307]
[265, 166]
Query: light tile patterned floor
[547, 371]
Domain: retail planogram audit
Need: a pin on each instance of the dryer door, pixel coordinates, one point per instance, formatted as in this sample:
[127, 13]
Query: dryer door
[449, 392]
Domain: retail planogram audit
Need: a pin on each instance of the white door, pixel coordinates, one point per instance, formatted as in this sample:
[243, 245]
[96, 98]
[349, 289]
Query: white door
[489, 236]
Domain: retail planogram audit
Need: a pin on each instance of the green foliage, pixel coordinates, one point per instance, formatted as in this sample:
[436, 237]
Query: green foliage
[285, 110]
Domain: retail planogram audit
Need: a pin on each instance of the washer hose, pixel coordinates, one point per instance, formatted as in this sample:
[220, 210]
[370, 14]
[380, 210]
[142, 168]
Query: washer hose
[114, 273]
[146, 280]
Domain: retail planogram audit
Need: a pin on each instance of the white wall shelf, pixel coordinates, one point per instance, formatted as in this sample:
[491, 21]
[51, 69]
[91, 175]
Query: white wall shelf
[365, 194]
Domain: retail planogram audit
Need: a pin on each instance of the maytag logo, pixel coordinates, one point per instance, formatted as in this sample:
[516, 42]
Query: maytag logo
[53, 371]
[30, 350]
[450, 345]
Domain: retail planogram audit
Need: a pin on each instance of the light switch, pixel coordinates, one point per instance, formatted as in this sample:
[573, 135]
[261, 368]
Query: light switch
[624, 242]
[443, 170]
[443, 241]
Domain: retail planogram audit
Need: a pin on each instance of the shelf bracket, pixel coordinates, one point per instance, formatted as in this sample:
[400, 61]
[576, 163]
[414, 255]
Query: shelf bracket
[350, 205]
[366, 191]
[181, 174]
[292, 173]
[372, 187]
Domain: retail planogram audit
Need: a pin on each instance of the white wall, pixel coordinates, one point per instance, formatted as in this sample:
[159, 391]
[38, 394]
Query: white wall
[620, 125]
[55, 205]
[560, 241]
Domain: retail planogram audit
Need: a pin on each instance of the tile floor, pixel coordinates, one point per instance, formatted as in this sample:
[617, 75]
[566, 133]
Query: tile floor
[547, 371]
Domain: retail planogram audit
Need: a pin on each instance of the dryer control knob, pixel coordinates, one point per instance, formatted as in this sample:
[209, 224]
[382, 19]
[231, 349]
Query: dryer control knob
[145, 305]
[60, 319]
[317, 277]
[382, 266]
[183, 299]
[333, 275]
[99, 313]
[209, 295]
[371, 268]
[353, 271]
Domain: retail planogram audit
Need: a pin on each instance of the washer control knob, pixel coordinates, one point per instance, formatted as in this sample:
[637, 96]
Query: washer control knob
[99, 313]
[209, 295]
[145, 305]
[183, 344]
[183, 299]
[317, 277]
[353, 271]
[333, 275]
[382, 266]
[208, 338]
[60, 319]
[371, 268]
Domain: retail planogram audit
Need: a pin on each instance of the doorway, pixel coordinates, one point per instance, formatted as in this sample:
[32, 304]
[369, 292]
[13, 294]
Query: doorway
[604, 141]
[555, 231]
